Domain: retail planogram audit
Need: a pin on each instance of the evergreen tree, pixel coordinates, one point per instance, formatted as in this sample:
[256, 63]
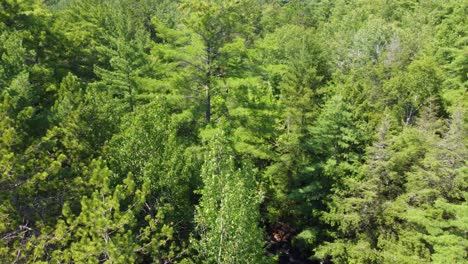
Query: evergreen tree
[142, 131]
[151, 145]
[297, 72]
[217, 25]
[102, 229]
[395, 212]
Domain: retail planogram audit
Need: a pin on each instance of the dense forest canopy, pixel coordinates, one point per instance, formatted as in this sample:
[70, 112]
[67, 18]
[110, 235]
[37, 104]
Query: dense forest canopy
[222, 131]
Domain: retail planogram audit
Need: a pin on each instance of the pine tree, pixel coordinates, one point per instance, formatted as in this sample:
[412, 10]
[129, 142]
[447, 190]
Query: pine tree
[100, 229]
[217, 25]
[151, 145]
[401, 210]
[296, 71]
[436, 193]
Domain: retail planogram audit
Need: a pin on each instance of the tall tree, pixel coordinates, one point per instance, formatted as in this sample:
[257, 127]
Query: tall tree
[404, 206]
[151, 145]
[216, 24]
[228, 214]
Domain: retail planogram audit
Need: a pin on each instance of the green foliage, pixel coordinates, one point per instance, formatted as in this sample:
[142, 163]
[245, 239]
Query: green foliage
[150, 148]
[227, 216]
[102, 230]
[216, 131]
[404, 207]
[296, 70]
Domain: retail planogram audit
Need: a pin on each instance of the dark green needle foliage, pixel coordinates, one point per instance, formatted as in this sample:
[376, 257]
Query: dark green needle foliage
[233, 131]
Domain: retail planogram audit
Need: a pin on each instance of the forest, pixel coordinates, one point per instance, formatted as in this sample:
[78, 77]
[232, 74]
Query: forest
[233, 131]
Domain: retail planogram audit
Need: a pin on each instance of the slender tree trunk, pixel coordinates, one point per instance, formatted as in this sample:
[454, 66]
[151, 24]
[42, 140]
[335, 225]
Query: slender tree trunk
[208, 104]
[208, 84]
[129, 89]
[220, 250]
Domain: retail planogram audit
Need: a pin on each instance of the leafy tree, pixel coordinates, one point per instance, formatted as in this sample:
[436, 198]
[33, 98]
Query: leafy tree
[421, 82]
[227, 216]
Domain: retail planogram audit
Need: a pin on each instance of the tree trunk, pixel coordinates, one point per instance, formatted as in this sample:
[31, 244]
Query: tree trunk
[208, 83]
[208, 104]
